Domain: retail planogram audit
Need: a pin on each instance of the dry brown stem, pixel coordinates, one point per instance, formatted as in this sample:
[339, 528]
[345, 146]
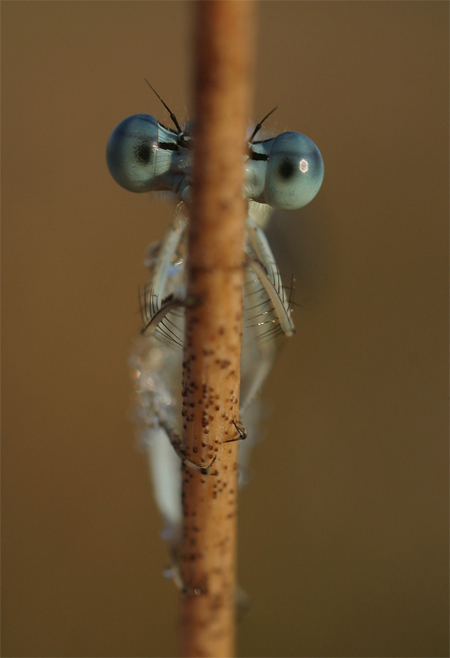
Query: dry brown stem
[223, 59]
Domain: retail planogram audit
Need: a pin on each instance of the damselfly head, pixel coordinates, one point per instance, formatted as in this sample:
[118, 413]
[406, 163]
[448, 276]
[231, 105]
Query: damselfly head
[284, 172]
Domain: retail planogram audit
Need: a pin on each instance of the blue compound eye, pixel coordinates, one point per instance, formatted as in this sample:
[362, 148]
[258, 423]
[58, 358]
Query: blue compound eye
[132, 152]
[294, 171]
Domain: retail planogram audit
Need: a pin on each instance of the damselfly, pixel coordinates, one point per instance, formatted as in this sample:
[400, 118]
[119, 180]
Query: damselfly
[283, 172]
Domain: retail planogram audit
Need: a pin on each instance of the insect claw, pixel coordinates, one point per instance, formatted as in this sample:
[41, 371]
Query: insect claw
[242, 432]
[203, 470]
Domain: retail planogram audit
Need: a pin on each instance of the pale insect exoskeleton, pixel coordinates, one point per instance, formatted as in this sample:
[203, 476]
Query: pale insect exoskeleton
[283, 172]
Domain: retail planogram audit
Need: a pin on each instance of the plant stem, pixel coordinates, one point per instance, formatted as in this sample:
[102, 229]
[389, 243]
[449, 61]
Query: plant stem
[223, 58]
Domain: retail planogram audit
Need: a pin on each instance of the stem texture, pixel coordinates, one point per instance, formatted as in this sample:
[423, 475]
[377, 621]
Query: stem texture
[223, 75]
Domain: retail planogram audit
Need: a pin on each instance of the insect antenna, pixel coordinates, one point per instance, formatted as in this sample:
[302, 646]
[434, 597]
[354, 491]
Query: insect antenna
[258, 125]
[172, 115]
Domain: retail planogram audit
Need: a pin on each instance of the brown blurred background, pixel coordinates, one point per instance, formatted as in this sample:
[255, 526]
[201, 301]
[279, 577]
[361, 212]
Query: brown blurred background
[344, 527]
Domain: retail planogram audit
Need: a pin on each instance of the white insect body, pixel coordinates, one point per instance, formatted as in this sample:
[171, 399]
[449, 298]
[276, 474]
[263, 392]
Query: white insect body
[283, 172]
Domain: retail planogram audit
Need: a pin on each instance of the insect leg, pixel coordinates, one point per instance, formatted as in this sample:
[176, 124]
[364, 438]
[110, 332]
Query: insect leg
[266, 269]
[175, 440]
[277, 296]
[155, 294]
